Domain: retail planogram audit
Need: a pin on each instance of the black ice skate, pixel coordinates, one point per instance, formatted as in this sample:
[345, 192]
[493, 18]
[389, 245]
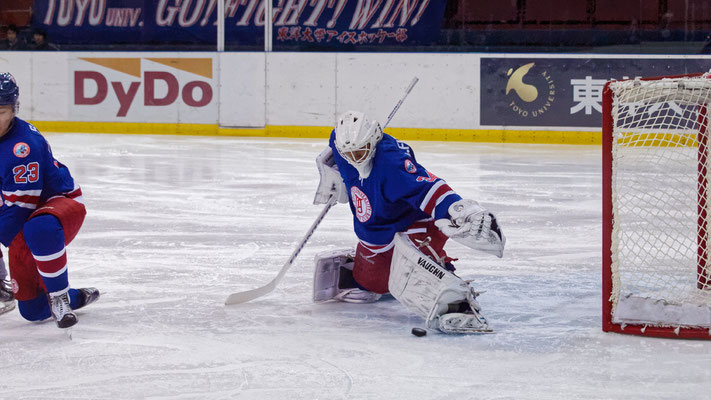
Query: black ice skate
[61, 311]
[89, 295]
[7, 299]
[6, 291]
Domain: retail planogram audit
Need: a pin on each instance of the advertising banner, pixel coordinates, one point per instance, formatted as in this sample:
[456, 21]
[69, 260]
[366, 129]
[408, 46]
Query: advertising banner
[358, 22]
[325, 23]
[90, 21]
[562, 92]
[136, 88]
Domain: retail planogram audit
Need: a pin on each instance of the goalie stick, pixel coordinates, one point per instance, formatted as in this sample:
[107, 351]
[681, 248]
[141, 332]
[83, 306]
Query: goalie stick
[243, 297]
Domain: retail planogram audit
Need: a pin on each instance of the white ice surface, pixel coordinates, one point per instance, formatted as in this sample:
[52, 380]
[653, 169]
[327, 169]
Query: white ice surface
[175, 224]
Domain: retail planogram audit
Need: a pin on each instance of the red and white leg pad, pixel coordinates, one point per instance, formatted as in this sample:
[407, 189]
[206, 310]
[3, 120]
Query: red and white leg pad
[333, 279]
[447, 302]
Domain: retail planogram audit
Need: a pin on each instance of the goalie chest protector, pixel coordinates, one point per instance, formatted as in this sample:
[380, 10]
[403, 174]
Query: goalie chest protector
[398, 192]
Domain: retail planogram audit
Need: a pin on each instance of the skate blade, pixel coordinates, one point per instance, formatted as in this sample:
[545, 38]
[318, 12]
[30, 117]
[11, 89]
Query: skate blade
[6, 306]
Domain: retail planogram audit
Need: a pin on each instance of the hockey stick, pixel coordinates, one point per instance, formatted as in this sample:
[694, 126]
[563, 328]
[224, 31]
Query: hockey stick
[243, 297]
[399, 103]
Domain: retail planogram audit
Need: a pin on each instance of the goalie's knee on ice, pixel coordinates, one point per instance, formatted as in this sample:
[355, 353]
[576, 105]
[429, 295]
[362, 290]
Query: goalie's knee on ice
[372, 267]
[375, 282]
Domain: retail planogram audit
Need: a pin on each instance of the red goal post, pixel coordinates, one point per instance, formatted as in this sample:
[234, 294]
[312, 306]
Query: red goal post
[656, 270]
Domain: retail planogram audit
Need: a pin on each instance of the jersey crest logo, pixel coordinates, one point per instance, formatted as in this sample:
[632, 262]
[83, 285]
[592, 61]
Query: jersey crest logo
[21, 150]
[410, 167]
[15, 286]
[361, 204]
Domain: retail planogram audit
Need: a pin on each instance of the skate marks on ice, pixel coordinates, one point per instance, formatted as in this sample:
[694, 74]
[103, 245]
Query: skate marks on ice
[176, 223]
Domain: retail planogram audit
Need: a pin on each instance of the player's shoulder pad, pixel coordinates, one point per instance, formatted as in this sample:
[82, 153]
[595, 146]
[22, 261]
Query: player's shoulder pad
[392, 146]
[394, 153]
[27, 127]
[28, 143]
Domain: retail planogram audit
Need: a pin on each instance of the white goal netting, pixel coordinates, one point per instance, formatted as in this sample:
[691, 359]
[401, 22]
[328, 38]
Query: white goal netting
[660, 161]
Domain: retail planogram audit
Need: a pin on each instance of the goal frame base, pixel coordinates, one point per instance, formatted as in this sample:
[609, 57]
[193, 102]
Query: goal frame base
[681, 333]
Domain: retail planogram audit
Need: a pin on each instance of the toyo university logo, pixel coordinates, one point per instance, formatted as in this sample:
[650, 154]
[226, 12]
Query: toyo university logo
[526, 92]
[534, 97]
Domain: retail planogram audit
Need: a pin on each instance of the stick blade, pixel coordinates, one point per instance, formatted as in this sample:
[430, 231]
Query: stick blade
[249, 295]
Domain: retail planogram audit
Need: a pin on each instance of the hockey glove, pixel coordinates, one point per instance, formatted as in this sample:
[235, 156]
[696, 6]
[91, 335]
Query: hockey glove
[473, 226]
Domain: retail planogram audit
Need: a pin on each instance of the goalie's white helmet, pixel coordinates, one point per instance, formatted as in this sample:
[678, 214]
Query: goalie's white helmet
[356, 139]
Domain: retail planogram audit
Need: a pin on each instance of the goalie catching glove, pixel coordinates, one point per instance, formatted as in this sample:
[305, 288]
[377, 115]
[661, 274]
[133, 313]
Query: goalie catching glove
[331, 183]
[473, 226]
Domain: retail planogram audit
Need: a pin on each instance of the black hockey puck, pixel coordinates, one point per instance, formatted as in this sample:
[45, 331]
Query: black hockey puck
[419, 332]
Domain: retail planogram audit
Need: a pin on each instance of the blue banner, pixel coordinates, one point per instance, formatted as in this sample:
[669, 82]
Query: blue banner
[562, 92]
[297, 23]
[90, 21]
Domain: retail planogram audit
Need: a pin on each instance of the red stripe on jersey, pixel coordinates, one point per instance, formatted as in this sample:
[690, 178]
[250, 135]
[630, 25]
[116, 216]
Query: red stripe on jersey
[429, 207]
[22, 199]
[74, 193]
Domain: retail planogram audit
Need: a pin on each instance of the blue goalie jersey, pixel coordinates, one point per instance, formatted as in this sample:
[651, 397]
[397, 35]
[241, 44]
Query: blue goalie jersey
[30, 175]
[398, 192]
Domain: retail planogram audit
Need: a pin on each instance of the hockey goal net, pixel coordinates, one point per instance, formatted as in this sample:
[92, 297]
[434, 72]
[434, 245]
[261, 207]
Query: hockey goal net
[656, 162]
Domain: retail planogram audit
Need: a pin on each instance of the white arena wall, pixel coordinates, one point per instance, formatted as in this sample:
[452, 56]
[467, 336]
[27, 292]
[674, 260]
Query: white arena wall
[262, 94]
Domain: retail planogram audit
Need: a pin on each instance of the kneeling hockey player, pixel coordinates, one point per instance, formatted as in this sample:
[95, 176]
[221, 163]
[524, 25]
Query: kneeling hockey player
[402, 215]
[41, 213]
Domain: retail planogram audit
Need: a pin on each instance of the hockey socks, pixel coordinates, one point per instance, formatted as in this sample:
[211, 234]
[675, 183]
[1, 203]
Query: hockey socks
[44, 236]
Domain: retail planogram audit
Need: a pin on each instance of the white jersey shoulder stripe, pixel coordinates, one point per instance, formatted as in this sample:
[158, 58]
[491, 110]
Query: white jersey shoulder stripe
[20, 204]
[22, 193]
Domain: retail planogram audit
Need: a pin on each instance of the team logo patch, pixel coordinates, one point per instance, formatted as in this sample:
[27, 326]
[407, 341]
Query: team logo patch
[15, 286]
[361, 204]
[410, 167]
[21, 150]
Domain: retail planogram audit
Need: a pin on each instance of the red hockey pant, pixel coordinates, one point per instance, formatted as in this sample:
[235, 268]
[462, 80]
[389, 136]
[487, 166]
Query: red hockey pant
[372, 263]
[26, 280]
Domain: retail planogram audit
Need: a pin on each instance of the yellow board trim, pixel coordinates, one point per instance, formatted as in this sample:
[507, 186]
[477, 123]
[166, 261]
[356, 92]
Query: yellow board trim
[657, 139]
[322, 132]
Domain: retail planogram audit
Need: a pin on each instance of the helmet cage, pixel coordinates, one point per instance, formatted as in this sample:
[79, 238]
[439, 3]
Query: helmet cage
[357, 138]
